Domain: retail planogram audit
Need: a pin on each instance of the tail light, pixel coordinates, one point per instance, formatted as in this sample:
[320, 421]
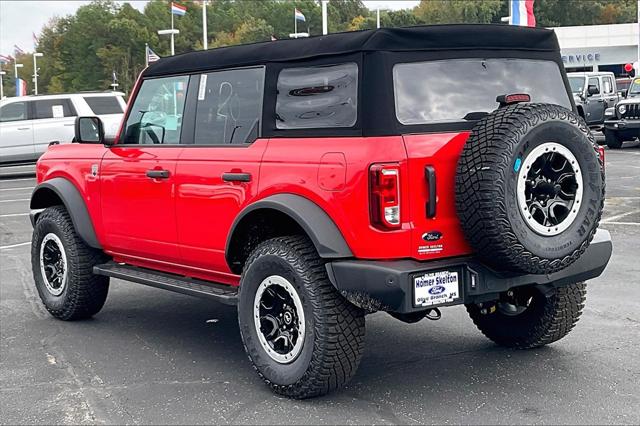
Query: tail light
[600, 150]
[384, 196]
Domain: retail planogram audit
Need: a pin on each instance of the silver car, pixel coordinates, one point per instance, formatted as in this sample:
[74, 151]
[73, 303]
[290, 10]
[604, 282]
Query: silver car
[28, 124]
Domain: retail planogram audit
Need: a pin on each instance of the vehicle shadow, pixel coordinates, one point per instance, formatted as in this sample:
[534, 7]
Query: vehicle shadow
[444, 360]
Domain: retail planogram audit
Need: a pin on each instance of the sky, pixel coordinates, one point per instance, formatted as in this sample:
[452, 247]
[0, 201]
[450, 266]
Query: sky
[19, 19]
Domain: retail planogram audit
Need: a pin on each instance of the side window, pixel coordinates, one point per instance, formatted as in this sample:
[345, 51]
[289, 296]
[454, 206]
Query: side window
[15, 111]
[229, 107]
[607, 85]
[317, 97]
[156, 114]
[53, 108]
[594, 81]
[102, 105]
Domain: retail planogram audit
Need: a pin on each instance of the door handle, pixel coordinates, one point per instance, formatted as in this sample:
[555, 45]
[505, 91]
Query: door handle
[24, 128]
[430, 176]
[236, 177]
[70, 124]
[158, 174]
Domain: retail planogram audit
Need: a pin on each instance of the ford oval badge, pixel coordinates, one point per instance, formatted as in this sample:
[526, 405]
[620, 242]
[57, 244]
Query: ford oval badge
[432, 236]
[436, 289]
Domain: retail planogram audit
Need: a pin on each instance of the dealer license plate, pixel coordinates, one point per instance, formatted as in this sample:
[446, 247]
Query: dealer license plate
[435, 288]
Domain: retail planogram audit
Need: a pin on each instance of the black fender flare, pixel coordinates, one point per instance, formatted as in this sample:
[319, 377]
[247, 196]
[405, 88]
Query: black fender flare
[323, 232]
[73, 202]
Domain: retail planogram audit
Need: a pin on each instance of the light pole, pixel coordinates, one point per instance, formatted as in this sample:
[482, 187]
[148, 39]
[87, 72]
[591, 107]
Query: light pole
[1, 84]
[171, 32]
[35, 71]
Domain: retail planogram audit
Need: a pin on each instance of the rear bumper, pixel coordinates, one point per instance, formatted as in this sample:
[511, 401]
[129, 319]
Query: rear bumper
[388, 285]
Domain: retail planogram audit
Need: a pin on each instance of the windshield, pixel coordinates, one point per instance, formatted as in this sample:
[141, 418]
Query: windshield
[634, 89]
[466, 89]
[577, 84]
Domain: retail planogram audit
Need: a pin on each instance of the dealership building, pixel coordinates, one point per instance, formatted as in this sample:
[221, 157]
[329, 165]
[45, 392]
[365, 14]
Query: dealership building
[599, 47]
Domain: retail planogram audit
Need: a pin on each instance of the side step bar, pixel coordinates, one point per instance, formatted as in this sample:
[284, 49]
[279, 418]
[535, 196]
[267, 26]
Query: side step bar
[191, 286]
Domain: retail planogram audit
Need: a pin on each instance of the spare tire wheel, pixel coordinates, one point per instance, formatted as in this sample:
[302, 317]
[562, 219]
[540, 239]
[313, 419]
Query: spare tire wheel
[530, 188]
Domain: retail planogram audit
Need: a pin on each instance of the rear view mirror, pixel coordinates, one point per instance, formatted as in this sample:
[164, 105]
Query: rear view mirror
[89, 130]
[592, 90]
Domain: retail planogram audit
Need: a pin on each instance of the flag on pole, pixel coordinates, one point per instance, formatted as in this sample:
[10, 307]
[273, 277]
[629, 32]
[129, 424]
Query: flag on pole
[5, 59]
[177, 9]
[151, 55]
[17, 50]
[21, 87]
[299, 16]
[522, 13]
[35, 39]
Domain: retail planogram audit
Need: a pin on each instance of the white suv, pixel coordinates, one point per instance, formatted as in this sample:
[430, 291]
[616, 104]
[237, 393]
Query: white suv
[28, 124]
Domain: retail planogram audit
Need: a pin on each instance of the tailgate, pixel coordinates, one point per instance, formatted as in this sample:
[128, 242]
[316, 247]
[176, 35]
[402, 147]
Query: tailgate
[432, 160]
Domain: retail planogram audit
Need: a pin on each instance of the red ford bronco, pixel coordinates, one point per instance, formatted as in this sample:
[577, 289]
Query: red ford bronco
[313, 181]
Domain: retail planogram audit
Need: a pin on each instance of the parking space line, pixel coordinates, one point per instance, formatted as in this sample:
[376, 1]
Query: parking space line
[14, 245]
[622, 223]
[17, 199]
[17, 189]
[16, 180]
[14, 214]
[618, 216]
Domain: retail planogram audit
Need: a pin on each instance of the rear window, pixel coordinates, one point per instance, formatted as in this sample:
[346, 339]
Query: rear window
[101, 105]
[459, 89]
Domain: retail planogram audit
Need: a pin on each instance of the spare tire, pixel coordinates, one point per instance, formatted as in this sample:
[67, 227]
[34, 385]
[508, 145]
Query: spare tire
[530, 188]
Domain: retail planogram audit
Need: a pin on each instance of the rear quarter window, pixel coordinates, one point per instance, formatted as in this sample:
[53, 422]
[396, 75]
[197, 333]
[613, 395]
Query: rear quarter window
[317, 97]
[450, 90]
[102, 105]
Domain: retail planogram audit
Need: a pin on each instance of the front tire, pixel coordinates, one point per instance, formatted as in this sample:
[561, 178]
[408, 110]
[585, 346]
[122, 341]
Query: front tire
[612, 139]
[303, 338]
[62, 267]
[528, 317]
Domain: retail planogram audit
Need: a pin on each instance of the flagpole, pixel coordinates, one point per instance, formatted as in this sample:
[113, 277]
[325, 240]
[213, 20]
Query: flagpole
[173, 51]
[146, 55]
[378, 18]
[204, 25]
[295, 23]
[325, 23]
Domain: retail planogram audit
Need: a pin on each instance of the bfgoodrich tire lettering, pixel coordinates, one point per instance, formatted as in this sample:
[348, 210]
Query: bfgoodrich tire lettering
[83, 293]
[486, 188]
[334, 328]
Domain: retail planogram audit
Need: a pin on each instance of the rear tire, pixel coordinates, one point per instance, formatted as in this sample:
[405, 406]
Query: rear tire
[549, 317]
[62, 267]
[612, 139]
[326, 338]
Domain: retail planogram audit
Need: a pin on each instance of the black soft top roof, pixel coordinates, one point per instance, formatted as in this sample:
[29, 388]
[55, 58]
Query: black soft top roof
[493, 37]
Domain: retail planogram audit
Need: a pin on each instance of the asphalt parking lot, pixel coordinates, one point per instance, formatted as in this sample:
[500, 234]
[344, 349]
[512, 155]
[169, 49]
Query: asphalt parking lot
[152, 356]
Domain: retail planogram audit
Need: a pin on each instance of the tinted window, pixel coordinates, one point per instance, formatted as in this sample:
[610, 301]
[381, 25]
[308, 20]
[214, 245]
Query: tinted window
[449, 90]
[594, 82]
[316, 97]
[229, 106]
[101, 105]
[156, 114]
[53, 108]
[15, 111]
[634, 88]
[577, 84]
